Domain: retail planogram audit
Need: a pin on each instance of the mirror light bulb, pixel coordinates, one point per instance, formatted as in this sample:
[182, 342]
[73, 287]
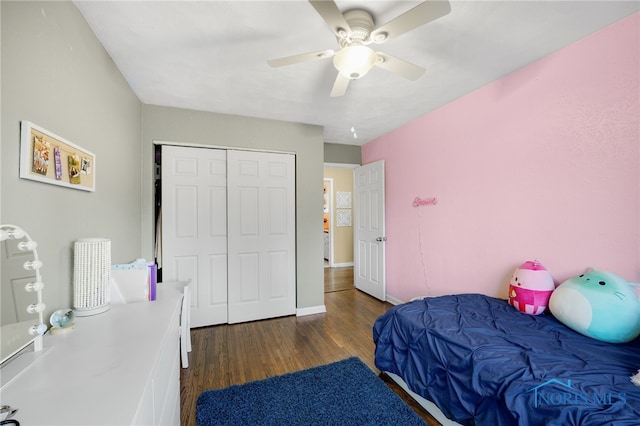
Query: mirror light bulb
[32, 265]
[35, 308]
[32, 287]
[15, 233]
[27, 245]
[36, 330]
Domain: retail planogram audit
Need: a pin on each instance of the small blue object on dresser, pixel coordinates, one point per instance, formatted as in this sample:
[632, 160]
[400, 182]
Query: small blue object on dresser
[62, 321]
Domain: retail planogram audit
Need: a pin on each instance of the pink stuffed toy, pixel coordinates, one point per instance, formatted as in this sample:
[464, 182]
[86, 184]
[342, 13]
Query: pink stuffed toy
[530, 288]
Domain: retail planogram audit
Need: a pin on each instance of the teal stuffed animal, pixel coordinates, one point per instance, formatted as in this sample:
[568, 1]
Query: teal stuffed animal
[600, 305]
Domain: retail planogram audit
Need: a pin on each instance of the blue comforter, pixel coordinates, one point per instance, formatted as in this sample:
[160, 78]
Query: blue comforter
[485, 363]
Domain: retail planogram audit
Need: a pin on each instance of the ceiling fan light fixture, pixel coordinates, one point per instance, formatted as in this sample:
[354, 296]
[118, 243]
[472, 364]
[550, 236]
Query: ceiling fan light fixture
[341, 33]
[380, 37]
[354, 61]
[355, 30]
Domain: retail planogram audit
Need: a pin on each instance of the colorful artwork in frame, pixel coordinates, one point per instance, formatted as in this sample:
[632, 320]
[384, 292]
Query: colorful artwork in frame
[46, 157]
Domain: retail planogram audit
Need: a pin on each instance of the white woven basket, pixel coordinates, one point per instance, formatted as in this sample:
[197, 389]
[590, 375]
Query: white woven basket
[91, 276]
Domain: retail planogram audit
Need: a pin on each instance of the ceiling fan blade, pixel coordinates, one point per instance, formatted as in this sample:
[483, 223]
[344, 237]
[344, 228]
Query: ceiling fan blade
[340, 86]
[332, 16]
[399, 66]
[423, 13]
[304, 57]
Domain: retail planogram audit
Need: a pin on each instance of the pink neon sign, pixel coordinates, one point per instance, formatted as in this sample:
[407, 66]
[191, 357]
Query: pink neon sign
[417, 202]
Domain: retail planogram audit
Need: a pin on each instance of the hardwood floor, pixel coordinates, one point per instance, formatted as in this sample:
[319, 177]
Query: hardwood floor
[225, 355]
[338, 279]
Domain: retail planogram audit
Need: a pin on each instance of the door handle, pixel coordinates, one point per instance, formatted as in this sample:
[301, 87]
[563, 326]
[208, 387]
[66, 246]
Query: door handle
[381, 239]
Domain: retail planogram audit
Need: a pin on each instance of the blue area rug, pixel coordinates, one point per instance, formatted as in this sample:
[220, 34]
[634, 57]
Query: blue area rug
[342, 393]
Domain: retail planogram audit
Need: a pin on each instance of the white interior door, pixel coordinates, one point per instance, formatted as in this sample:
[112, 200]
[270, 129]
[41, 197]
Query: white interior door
[262, 272]
[369, 235]
[194, 228]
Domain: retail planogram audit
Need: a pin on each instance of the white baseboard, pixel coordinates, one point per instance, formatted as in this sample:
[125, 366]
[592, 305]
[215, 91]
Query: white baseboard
[311, 310]
[393, 300]
[342, 265]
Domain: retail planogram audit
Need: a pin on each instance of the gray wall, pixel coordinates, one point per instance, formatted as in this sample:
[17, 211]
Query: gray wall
[56, 74]
[164, 124]
[344, 154]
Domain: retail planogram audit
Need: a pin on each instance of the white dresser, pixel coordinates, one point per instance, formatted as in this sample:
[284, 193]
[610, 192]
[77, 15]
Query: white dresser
[121, 367]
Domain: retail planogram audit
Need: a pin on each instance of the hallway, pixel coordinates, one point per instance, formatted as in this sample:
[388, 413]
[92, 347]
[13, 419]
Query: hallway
[338, 279]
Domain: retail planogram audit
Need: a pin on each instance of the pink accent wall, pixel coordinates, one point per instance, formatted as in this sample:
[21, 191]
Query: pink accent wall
[543, 163]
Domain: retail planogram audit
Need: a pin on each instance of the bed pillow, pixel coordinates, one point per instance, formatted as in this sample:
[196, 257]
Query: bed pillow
[530, 288]
[598, 304]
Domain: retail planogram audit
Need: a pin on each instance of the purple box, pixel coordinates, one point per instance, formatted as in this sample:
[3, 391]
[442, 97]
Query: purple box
[153, 280]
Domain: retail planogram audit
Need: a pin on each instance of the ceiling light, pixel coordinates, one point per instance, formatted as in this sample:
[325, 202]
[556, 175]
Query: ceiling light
[354, 61]
[380, 37]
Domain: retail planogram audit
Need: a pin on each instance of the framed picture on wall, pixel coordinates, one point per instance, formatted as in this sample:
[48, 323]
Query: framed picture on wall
[343, 217]
[343, 200]
[46, 157]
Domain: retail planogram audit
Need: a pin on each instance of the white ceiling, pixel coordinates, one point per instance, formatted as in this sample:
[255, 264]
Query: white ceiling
[211, 55]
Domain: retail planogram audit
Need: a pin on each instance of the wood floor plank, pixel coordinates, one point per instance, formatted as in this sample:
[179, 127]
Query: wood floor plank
[338, 279]
[225, 355]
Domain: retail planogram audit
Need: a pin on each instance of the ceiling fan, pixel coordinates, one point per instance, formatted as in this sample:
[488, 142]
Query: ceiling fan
[355, 31]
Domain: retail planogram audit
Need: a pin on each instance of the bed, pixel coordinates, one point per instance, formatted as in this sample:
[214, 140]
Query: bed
[482, 362]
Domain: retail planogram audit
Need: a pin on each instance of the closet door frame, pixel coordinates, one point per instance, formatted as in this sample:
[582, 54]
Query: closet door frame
[274, 290]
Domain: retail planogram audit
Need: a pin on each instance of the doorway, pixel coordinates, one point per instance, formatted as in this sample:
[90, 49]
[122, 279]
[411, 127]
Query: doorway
[338, 184]
[338, 279]
[328, 222]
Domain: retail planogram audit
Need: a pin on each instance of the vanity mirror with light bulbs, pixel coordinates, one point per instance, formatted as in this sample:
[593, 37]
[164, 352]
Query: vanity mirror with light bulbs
[138, 344]
[21, 304]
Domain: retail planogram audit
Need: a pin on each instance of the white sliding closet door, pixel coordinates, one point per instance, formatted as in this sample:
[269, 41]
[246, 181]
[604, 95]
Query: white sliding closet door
[261, 229]
[194, 228]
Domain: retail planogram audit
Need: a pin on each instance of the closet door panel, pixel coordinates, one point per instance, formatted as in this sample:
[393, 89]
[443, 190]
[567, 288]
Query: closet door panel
[247, 212]
[186, 208]
[261, 188]
[277, 274]
[249, 277]
[277, 218]
[218, 295]
[194, 228]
